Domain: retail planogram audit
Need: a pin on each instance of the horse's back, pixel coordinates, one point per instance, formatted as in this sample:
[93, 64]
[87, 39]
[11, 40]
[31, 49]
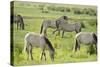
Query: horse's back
[34, 38]
[85, 37]
[49, 23]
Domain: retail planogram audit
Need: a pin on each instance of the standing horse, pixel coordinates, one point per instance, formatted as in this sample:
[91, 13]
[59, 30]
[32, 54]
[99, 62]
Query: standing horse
[69, 27]
[88, 38]
[18, 19]
[52, 24]
[38, 40]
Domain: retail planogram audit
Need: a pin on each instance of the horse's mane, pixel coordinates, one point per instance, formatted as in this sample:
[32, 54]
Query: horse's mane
[48, 43]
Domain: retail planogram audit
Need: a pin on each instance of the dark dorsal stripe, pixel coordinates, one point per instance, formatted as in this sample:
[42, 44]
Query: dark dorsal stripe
[49, 43]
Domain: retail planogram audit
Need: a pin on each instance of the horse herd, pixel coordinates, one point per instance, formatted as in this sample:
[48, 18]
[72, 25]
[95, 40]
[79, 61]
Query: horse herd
[41, 40]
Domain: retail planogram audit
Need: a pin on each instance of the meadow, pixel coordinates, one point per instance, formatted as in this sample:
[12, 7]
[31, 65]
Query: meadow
[33, 15]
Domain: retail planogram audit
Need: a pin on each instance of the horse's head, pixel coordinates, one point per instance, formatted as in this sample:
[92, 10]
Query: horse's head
[65, 17]
[52, 55]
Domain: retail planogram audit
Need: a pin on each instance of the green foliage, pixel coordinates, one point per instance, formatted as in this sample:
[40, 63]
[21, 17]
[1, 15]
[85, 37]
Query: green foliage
[92, 22]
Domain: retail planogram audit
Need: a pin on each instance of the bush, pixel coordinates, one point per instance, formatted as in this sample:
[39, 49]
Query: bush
[68, 9]
[77, 11]
[89, 11]
[45, 9]
[92, 22]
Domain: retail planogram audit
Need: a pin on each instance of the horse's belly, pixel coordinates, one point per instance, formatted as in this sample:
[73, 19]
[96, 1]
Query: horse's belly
[69, 28]
[87, 41]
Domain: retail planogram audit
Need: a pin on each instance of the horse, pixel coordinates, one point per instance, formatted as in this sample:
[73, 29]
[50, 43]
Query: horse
[18, 19]
[38, 40]
[52, 24]
[68, 27]
[88, 38]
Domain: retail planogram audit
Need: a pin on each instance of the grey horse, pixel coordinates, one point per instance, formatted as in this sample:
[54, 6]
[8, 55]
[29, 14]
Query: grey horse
[52, 24]
[68, 27]
[38, 40]
[18, 19]
[88, 38]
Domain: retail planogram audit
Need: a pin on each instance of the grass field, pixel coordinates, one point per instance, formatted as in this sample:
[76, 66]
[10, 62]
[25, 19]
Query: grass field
[63, 46]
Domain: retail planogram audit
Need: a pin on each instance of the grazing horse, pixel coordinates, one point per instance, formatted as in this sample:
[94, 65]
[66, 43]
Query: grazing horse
[18, 19]
[38, 40]
[88, 38]
[52, 24]
[68, 27]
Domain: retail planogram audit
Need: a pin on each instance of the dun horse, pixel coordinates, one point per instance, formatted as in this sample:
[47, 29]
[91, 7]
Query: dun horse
[38, 40]
[52, 24]
[68, 27]
[18, 19]
[88, 38]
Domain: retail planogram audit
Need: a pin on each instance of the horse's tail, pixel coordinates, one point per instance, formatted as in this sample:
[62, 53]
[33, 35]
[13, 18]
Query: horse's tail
[95, 37]
[76, 44]
[25, 46]
[48, 43]
[41, 28]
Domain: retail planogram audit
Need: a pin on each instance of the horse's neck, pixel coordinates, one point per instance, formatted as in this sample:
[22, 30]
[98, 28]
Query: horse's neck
[50, 50]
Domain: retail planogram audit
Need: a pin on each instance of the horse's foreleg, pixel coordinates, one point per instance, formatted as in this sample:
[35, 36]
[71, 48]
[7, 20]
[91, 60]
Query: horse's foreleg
[45, 32]
[59, 32]
[45, 55]
[55, 31]
[41, 55]
[17, 25]
[62, 34]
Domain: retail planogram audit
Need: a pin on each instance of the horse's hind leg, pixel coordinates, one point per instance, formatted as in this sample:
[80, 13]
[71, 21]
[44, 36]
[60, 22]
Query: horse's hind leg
[27, 50]
[45, 31]
[76, 46]
[22, 26]
[62, 34]
[17, 25]
[41, 55]
[30, 52]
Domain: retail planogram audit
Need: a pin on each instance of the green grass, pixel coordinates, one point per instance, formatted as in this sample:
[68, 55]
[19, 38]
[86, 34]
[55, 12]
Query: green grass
[62, 46]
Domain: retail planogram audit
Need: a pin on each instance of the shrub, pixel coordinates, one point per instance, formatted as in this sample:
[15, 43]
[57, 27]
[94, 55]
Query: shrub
[92, 22]
[77, 10]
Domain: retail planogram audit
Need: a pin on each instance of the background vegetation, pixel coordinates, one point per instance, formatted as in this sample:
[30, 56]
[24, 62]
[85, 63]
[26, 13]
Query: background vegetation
[34, 13]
